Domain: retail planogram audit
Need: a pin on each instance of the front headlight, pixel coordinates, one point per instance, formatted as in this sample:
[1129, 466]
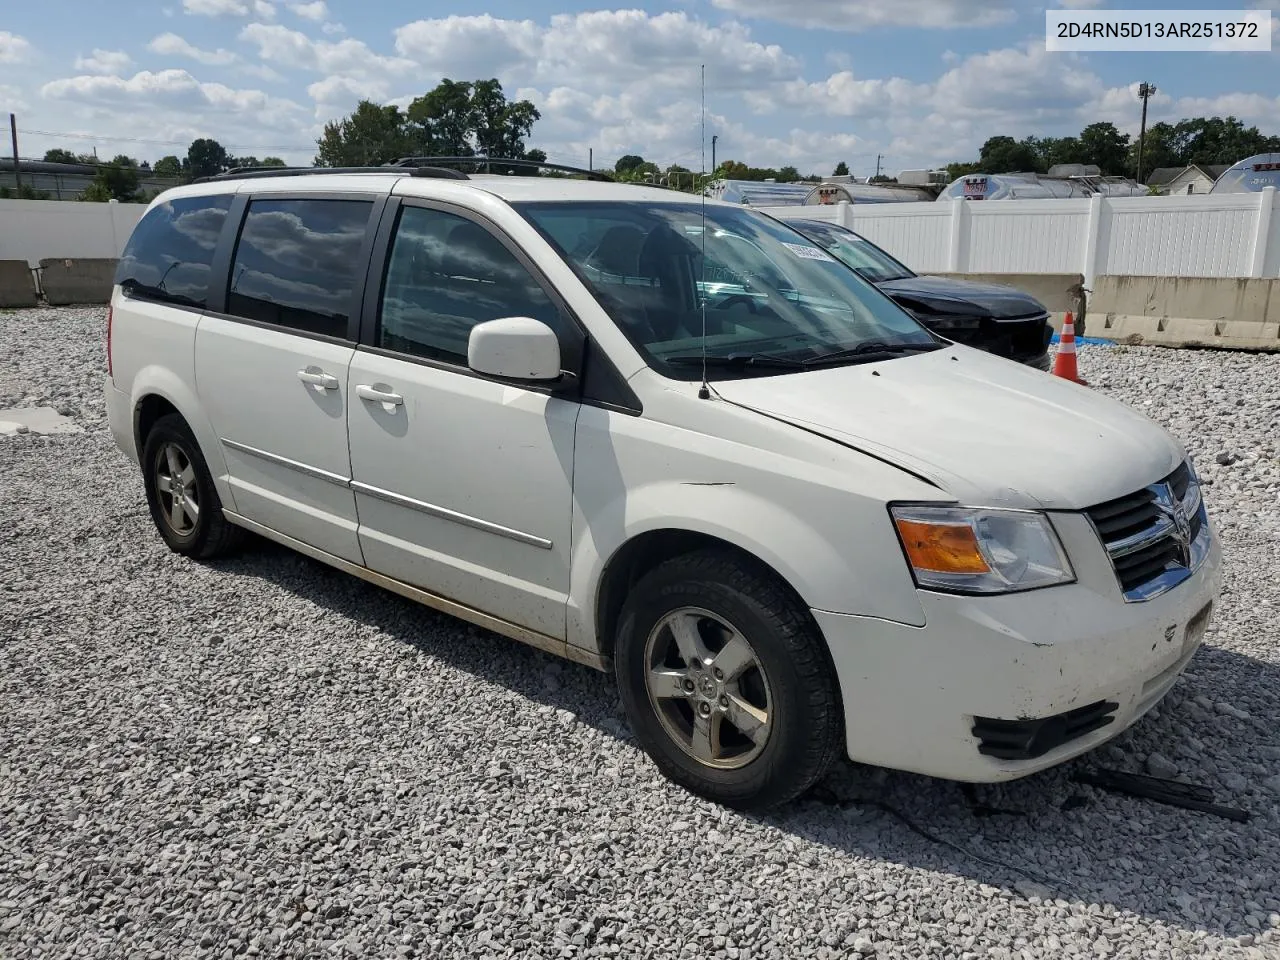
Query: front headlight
[972, 550]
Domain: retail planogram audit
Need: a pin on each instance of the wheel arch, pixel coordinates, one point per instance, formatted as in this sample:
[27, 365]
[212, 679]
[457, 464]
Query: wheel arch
[156, 392]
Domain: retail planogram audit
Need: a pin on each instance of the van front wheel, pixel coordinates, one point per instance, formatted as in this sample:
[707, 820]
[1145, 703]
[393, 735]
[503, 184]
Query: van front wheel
[726, 681]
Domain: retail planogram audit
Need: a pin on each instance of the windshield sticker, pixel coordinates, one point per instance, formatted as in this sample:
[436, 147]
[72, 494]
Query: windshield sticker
[807, 252]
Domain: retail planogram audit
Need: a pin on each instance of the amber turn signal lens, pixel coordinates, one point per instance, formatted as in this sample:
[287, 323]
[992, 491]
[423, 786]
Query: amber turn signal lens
[942, 547]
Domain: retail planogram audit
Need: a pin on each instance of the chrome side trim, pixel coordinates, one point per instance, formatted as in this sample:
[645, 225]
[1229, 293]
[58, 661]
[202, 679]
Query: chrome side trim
[446, 606]
[445, 514]
[304, 468]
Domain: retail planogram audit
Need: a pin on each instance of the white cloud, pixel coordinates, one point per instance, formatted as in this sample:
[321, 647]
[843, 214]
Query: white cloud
[349, 57]
[1081, 4]
[13, 48]
[174, 90]
[317, 10]
[105, 61]
[172, 45]
[11, 99]
[262, 9]
[333, 28]
[841, 94]
[337, 96]
[859, 15]
[601, 49]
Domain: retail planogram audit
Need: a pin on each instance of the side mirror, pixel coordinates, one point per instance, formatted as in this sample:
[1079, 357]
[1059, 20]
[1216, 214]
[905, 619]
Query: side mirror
[514, 348]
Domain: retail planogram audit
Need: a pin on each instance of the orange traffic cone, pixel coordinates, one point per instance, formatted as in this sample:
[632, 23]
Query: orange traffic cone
[1064, 363]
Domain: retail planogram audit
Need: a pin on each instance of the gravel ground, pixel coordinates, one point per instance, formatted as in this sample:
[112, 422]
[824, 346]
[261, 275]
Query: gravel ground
[265, 757]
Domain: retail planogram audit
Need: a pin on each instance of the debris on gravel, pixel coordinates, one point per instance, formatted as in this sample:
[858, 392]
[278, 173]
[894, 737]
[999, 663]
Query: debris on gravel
[263, 757]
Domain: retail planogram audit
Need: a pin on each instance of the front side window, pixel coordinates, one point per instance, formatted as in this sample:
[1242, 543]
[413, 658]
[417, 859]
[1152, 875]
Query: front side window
[767, 297]
[846, 246]
[297, 264]
[445, 275]
[169, 253]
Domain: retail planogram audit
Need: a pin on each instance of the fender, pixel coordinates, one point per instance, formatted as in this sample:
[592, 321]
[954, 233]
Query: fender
[809, 556]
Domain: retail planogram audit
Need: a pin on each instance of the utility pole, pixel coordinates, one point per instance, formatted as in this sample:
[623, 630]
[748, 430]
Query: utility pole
[590, 156]
[879, 157]
[1145, 92]
[713, 152]
[13, 134]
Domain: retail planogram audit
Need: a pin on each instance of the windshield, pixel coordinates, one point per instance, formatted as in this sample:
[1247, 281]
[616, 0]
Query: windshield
[864, 256]
[773, 301]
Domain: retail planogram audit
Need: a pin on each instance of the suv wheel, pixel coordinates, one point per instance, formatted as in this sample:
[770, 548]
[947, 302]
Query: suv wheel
[726, 681]
[180, 492]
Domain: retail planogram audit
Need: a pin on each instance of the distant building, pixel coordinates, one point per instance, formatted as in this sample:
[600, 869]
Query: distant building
[66, 181]
[1195, 178]
[1251, 175]
[1063, 180]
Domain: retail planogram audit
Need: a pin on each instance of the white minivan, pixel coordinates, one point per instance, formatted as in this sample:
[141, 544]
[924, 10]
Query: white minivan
[670, 438]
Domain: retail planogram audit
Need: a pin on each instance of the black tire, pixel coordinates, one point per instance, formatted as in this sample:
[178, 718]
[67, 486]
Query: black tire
[210, 535]
[806, 721]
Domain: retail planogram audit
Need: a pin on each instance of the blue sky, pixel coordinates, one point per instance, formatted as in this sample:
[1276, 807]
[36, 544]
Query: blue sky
[805, 82]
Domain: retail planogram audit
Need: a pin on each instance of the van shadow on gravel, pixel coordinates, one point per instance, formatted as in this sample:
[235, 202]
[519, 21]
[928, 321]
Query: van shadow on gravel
[1041, 838]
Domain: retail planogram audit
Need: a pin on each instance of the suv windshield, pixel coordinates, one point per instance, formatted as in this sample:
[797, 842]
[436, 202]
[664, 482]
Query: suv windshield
[773, 301]
[859, 253]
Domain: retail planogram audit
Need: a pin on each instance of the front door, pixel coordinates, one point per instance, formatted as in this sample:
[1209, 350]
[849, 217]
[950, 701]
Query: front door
[463, 485]
[272, 370]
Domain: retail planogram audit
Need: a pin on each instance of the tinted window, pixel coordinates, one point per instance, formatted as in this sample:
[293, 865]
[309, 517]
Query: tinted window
[859, 253]
[168, 255]
[767, 290]
[298, 263]
[445, 275]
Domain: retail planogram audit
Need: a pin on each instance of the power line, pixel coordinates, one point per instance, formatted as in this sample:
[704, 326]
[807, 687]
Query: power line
[169, 143]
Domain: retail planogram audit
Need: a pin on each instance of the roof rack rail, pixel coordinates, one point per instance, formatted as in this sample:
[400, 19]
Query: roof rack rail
[251, 173]
[505, 162]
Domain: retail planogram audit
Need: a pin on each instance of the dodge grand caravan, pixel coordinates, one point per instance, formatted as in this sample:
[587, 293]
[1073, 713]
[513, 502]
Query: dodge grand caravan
[670, 439]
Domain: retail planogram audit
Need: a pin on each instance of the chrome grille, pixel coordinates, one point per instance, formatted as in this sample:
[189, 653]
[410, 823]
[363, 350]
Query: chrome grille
[1156, 537]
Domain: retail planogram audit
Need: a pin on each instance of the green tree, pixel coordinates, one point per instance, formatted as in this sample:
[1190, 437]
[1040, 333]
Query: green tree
[24, 192]
[273, 162]
[168, 168]
[58, 155]
[370, 136]
[500, 126]
[96, 193]
[627, 163]
[1007, 155]
[442, 119]
[841, 170]
[119, 179]
[206, 158]
[1102, 144]
[957, 170]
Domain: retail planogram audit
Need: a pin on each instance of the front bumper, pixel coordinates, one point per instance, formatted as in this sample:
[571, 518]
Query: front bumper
[914, 696]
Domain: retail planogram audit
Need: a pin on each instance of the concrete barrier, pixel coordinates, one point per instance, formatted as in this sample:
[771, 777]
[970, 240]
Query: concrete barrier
[67, 282]
[1059, 292]
[17, 285]
[1188, 311]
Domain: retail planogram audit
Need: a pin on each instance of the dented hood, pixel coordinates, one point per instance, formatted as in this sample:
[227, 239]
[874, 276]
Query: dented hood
[986, 430]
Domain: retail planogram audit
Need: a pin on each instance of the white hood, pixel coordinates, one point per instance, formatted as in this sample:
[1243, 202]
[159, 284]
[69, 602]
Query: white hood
[988, 431]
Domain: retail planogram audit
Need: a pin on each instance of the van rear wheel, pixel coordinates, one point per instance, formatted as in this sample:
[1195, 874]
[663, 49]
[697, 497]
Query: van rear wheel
[180, 492]
[726, 681]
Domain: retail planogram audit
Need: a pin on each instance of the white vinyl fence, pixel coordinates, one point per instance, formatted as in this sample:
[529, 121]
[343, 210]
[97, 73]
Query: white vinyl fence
[1235, 235]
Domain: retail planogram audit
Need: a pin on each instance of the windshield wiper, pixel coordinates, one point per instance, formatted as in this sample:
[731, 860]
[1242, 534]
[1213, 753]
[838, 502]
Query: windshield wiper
[872, 350]
[737, 361]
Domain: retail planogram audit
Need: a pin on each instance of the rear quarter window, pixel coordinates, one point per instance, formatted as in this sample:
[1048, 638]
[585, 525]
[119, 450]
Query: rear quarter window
[168, 256]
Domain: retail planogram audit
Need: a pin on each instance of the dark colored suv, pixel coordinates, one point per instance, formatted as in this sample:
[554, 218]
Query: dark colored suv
[998, 319]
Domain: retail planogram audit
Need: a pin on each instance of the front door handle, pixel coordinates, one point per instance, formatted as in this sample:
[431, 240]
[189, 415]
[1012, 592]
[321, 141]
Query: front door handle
[318, 378]
[366, 392]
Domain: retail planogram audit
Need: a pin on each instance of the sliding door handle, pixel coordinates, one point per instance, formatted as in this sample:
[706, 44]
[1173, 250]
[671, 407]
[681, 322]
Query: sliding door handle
[318, 378]
[366, 392]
